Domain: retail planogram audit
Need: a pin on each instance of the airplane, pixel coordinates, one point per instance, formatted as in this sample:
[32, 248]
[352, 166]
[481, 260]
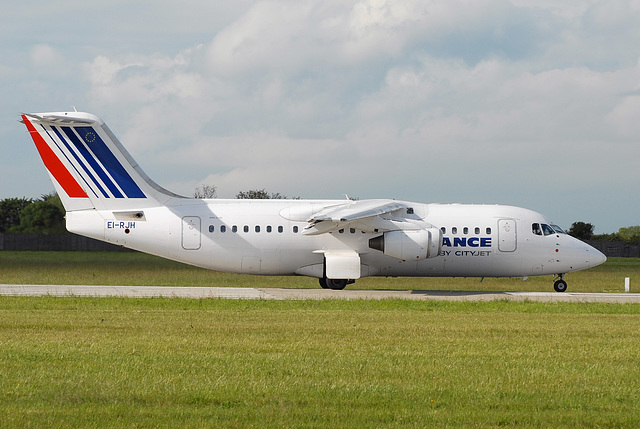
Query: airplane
[108, 197]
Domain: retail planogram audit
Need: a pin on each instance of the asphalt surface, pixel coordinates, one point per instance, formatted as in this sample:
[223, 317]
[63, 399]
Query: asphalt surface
[302, 294]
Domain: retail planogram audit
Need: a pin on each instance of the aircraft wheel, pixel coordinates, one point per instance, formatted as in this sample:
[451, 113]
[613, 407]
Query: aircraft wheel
[323, 282]
[560, 286]
[336, 284]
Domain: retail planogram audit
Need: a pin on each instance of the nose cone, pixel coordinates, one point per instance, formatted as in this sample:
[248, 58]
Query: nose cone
[577, 255]
[596, 257]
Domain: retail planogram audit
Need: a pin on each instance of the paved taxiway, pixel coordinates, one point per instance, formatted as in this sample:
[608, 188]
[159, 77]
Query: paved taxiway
[280, 294]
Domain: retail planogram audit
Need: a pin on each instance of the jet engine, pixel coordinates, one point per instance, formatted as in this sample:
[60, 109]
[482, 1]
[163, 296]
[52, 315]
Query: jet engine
[409, 245]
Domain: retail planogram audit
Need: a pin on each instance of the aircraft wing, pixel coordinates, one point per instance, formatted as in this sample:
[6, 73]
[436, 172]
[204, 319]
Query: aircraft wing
[366, 214]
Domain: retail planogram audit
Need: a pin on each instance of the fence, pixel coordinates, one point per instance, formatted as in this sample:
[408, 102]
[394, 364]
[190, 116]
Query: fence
[54, 242]
[79, 243]
[616, 248]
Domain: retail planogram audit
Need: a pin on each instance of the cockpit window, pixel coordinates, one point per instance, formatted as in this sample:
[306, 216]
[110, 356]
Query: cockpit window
[544, 229]
[535, 228]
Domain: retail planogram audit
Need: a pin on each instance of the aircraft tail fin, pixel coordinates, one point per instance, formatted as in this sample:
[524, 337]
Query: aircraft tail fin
[88, 166]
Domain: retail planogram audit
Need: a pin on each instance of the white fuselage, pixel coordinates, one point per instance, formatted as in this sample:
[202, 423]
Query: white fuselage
[268, 237]
[107, 196]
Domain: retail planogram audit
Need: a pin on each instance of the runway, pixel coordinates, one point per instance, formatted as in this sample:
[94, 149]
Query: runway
[305, 294]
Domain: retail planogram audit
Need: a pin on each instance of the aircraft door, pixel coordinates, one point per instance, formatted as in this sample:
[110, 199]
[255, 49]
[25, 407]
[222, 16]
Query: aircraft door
[507, 235]
[191, 233]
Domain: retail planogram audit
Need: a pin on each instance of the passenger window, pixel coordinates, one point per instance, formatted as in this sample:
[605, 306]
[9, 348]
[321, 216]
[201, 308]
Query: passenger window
[257, 228]
[444, 230]
[211, 229]
[341, 231]
[223, 228]
[454, 230]
[246, 228]
[295, 229]
[465, 230]
[535, 228]
[477, 230]
[488, 231]
[268, 228]
[234, 228]
[352, 230]
[280, 229]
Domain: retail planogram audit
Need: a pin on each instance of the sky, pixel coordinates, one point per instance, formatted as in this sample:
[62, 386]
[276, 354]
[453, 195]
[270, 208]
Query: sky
[527, 103]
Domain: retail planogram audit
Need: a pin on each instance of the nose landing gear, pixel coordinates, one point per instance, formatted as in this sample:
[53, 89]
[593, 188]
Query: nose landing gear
[560, 285]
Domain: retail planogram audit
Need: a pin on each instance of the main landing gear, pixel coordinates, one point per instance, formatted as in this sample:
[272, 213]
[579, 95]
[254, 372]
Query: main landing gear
[560, 285]
[334, 284]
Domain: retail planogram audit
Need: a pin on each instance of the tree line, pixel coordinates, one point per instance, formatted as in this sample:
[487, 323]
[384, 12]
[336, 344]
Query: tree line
[584, 231]
[210, 191]
[45, 215]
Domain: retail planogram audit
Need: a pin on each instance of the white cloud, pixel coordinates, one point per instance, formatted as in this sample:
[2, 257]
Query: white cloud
[274, 35]
[624, 118]
[143, 79]
[44, 55]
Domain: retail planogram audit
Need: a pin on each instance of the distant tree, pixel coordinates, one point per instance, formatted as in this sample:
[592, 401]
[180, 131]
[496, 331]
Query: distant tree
[10, 209]
[259, 194]
[606, 237]
[205, 191]
[54, 199]
[630, 234]
[581, 230]
[41, 217]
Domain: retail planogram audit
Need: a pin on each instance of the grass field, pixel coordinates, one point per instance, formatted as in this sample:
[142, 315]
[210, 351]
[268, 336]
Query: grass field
[117, 362]
[137, 269]
[112, 362]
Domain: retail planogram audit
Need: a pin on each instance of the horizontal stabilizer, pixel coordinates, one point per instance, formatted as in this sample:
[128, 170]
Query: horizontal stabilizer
[62, 119]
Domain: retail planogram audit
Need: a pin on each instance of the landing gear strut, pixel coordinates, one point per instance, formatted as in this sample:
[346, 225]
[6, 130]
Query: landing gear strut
[560, 285]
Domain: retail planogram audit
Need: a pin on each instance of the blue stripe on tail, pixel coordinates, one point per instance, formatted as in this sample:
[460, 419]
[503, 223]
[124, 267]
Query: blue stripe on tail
[91, 160]
[111, 163]
[82, 164]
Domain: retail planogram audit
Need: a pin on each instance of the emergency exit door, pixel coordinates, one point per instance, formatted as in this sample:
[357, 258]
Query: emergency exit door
[507, 235]
[191, 233]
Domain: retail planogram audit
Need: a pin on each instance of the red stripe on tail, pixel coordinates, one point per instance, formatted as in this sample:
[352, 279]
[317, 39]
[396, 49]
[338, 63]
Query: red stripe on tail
[54, 165]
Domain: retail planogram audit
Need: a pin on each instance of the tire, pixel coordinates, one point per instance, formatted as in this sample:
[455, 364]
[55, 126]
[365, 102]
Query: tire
[336, 284]
[323, 282]
[560, 286]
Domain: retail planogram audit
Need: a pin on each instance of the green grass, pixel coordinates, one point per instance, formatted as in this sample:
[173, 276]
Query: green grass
[114, 268]
[112, 362]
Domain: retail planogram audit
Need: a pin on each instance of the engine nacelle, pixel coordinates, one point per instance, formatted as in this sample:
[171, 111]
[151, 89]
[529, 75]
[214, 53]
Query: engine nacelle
[409, 245]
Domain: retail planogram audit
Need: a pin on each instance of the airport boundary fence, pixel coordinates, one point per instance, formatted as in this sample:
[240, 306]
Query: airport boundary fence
[616, 249]
[55, 242]
[72, 242]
